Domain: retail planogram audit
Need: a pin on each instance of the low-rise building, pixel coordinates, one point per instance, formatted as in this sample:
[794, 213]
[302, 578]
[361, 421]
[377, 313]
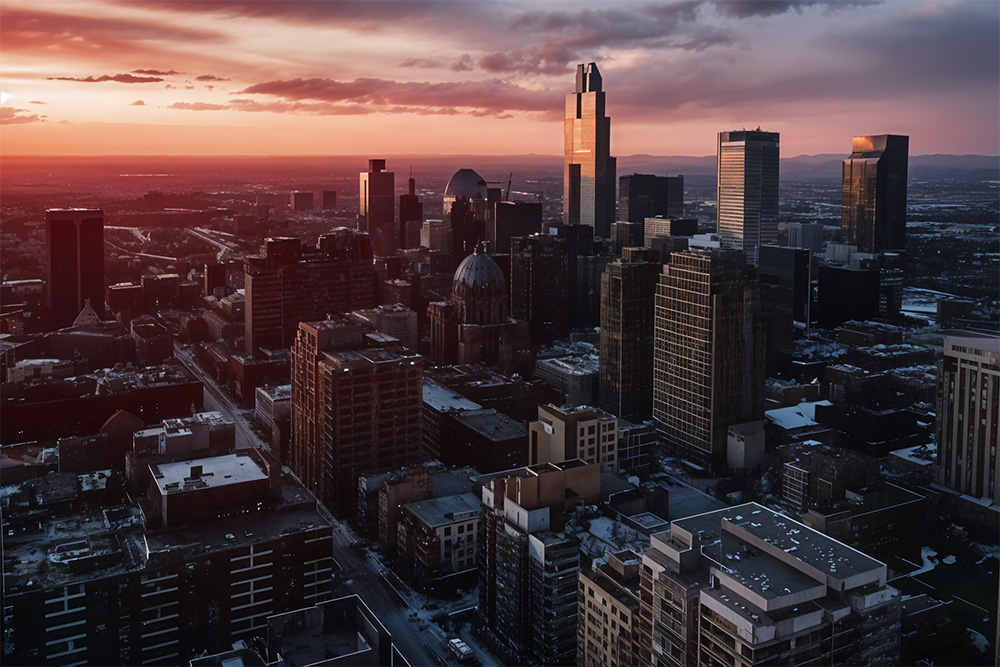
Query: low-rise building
[438, 537]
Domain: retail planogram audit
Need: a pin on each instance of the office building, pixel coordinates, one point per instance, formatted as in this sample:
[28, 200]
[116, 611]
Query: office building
[214, 276]
[565, 433]
[608, 613]
[748, 190]
[539, 285]
[288, 283]
[873, 208]
[355, 409]
[589, 170]
[510, 219]
[808, 235]
[844, 293]
[642, 196]
[74, 243]
[411, 216]
[328, 199]
[708, 356]
[636, 443]
[376, 207]
[747, 586]
[301, 201]
[626, 235]
[528, 567]
[968, 424]
[465, 211]
[627, 290]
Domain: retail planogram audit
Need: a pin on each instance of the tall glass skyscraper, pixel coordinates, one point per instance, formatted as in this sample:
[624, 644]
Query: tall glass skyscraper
[748, 190]
[589, 174]
[873, 209]
[376, 205]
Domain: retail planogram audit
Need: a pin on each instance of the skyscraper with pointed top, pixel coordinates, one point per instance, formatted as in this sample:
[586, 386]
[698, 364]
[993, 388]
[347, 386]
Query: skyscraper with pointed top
[589, 173]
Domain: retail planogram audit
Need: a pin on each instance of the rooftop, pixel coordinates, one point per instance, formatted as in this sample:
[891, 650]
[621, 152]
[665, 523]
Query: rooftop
[441, 511]
[796, 416]
[215, 471]
[492, 424]
[443, 399]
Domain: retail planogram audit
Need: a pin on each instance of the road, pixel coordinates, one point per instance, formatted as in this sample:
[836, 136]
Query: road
[205, 235]
[217, 399]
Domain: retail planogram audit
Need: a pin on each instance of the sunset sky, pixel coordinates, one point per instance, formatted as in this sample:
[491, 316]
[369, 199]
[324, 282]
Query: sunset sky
[232, 77]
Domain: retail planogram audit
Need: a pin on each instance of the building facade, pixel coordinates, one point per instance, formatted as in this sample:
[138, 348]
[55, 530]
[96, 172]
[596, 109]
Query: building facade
[539, 285]
[377, 207]
[74, 242]
[748, 190]
[566, 433]
[873, 208]
[589, 170]
[608, 613]
[708, 356]
[642, 196]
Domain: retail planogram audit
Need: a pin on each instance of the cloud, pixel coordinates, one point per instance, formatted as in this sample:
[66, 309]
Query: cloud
[491, 96]
[463, 64]
[198, 106]
[209, 77]
[156, 72]
[137, 103]
[36, 102]
[750, 8]
[117, 78]
[12, 116]
[425, 63]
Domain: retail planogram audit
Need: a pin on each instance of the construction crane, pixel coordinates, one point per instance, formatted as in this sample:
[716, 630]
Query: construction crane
[510, 179]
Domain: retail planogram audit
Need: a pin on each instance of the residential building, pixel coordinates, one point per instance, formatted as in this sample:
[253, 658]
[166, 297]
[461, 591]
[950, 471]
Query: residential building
[565, 433]
[376, 207]
[747, 586]
[74, 243]
[748, 190]
[708, 356]
[608, 612]
[437, 537]
[589, 169]
[873, 209]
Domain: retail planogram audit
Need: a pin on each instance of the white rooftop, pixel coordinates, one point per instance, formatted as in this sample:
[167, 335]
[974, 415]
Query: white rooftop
[216, 471]
[796, 416]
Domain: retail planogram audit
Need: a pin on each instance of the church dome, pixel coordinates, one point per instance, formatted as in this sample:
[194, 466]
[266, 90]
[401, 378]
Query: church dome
[466, 183]
[479, 277]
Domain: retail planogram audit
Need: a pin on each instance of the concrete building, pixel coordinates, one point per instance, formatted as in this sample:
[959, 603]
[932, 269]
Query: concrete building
[628, 286]
[566, 433]
[968, 408]
[355, 409]
[708, 357]
[748, 190]
[589, 170]
[642, 196]
[527, 566]
[539, 286]
[807, 235]
[74, 243]
[377, 207]
[395, 320]
[288, 283]
[438, 537]
[301, 201]
[635, 445]
[746, 586]
[873, 209]
[608, 613]
[573, 370]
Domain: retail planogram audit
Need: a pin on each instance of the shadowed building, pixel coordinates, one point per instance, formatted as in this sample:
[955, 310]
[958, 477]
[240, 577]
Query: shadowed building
[411, 216]
[74, 240]
[589, 173]
[539, 285]
[510, 219]
[376, 207]
[642, 196]
[873, 208]
[748, 190]
[465, 208]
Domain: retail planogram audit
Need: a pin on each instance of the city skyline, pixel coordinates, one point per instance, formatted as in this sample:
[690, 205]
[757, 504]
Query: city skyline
[345, 78]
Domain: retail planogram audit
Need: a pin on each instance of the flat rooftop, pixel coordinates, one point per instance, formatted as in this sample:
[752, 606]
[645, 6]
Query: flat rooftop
[441, 511]
[443, 399]
[796, 416]
[492, 424]
[216, 471]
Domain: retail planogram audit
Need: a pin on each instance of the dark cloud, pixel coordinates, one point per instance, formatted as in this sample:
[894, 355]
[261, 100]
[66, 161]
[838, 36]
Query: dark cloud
[117, 78]
[12, 116]
[749, 8]
[425, 63]
[463, 64]
[156, 72]
[489, 97]
[209, 77]
[138, 103]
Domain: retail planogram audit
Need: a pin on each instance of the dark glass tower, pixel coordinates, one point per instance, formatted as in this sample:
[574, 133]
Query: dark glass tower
[539, 295]
[589, 174]
[748, 190]
[377, 203]
[642, 196]
[74, 240]
[873, 208]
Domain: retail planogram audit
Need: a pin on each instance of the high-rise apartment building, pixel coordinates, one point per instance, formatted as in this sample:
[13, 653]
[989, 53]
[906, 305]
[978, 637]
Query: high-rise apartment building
[748, 190]
[528, 564]
[539, 285]
[589, 173]
[288, 283]
[642, 196]
[873, 208]
[627, 290]
[608, 612]
[355, 409]
[376, 207]
[74, 241]
[708, 354]
[747, 586]
[566, 433]
[968, 411]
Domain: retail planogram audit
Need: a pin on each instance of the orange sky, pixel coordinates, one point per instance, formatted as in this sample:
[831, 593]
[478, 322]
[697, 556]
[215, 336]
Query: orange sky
[320, 78]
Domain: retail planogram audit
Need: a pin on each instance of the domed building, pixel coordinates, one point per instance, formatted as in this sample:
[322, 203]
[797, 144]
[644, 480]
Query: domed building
[474, 325]
[466, 209]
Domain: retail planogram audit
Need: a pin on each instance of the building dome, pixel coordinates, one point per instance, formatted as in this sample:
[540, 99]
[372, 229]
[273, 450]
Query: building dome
[466, 183]
[479, 290]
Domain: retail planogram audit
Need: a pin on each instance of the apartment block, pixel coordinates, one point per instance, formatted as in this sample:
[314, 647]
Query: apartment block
[608, 612]
[565, 433]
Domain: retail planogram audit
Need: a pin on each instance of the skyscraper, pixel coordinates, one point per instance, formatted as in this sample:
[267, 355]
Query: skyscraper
[748, 190]
[539, 282]
[873, 208]
[708, 353]
[589, 174]
[411, 216]
[969, 416]
[627, 290]
[376, 206]
[74, 240]
[642, 196]
[464, 208]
